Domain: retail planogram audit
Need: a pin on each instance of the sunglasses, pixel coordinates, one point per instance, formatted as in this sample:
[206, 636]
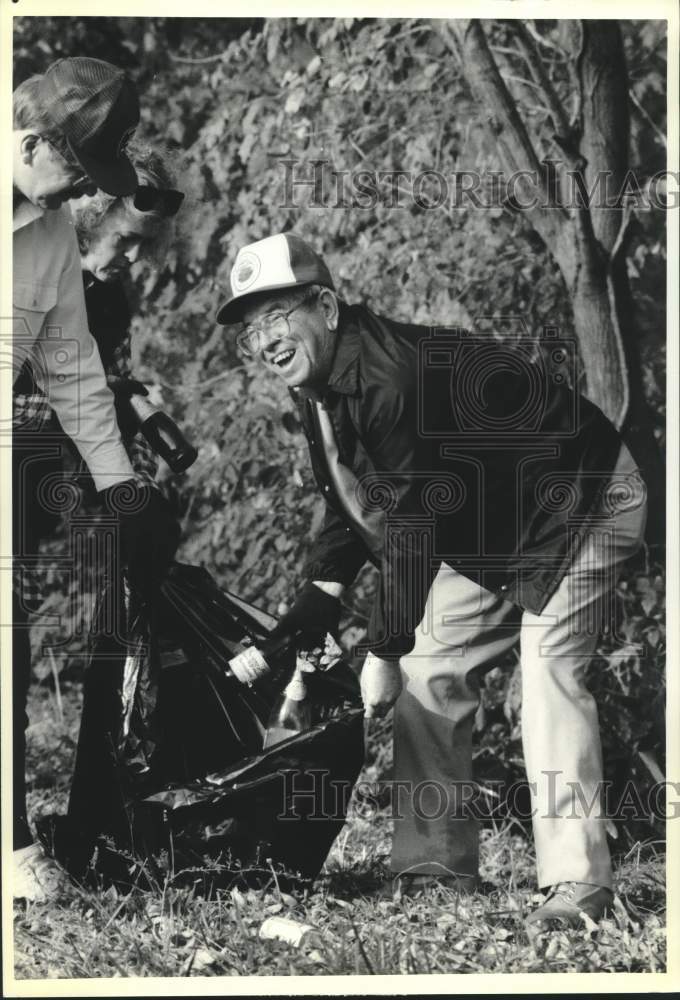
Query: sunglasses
[164, 201]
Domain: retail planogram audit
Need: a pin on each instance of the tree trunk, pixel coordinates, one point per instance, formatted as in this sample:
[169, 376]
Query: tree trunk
[604, 141]
[638, 427]
[585, 268]
[587, 239]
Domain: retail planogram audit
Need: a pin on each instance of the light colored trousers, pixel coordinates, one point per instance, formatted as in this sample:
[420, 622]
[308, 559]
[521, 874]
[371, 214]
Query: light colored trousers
[465, 630]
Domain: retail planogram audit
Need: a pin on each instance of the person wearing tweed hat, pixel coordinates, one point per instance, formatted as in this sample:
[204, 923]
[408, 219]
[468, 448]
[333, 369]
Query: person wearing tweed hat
[72, 125]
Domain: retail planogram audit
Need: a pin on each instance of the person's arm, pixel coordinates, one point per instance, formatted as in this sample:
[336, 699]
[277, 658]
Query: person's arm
[119, 370]
[336, 557]
[407, 462]
[390, 434]
[337, 553]
[75, 383]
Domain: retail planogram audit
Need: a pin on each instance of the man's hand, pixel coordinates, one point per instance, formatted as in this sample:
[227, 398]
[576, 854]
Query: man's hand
[380, 685]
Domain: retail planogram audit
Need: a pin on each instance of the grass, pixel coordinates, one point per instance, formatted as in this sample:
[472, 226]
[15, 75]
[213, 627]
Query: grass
[175, 933]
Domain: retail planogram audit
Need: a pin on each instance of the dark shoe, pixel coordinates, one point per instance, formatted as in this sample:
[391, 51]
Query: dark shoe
[421, 884]
[62, 840]
[565, 905]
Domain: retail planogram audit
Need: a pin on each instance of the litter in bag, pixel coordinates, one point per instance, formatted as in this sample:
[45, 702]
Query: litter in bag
[171, 781]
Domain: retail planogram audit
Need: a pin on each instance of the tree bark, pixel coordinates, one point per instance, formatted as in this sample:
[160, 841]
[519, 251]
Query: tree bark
[585, 237]
[604, 141]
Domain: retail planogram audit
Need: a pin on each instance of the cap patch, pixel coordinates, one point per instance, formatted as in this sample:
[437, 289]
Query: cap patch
[271, 264]
[246, 271]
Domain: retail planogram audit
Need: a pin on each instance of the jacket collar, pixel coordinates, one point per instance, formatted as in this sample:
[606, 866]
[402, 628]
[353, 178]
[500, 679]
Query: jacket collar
[24, 214]
[344, 376]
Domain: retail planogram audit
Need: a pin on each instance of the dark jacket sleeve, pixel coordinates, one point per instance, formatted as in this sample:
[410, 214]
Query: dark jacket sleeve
[337, 553]
[404, 471]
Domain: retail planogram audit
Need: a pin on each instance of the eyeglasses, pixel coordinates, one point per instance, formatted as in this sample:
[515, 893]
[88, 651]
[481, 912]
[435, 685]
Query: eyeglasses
[61, 147]
[275, 325]
[165, 201]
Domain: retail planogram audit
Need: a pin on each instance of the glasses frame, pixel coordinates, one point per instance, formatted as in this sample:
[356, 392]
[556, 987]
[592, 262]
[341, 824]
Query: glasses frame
[256, 329]
[61, 147]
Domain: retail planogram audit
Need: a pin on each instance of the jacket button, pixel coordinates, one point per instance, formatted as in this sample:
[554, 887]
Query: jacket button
[326, 489]
[504, 586]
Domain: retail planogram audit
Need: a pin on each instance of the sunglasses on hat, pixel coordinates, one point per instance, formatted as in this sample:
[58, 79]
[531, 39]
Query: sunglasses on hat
[165, 201]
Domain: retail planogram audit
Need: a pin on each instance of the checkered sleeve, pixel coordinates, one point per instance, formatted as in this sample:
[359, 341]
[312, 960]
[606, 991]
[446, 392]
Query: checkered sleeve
[120, 365]
[30, 410]
[143, 458]
[27, 585]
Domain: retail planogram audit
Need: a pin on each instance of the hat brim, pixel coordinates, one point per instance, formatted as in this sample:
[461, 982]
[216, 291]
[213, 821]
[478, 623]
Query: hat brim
[231, 311]
[115, 177]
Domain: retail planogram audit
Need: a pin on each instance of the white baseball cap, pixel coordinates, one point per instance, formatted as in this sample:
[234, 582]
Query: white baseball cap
[281, 261]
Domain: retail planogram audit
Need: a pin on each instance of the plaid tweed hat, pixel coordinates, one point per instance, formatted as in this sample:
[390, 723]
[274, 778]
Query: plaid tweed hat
[281, 261]
[96, 108]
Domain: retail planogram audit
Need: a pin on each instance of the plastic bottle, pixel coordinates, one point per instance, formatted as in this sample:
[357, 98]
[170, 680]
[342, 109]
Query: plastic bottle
[285, 929]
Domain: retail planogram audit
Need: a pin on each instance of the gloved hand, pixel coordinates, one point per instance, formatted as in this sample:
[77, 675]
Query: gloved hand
[123, 389]
[381, 685]
[149, 532]
[314, 614]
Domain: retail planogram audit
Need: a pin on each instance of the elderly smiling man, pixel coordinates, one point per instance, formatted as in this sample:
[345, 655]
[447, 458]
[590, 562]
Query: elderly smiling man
[497, 505]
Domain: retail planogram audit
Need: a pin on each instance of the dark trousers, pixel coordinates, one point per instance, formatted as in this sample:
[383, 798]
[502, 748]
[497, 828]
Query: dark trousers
[35, 458]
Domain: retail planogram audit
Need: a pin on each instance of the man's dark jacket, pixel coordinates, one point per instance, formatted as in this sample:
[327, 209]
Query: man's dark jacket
[470, 453]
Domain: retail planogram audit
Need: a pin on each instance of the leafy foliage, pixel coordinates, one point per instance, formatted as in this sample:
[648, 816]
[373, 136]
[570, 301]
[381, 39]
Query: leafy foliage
[244, 107]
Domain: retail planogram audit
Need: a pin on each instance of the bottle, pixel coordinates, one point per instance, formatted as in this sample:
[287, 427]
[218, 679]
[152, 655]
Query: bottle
[285, 929]
[267, 660]
[291, 714]
[163, 434]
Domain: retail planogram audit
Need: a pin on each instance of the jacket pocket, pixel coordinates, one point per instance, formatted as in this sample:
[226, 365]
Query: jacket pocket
[32, 302]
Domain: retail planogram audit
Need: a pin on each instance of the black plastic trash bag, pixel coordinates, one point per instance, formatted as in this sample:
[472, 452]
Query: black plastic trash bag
[171, 781]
